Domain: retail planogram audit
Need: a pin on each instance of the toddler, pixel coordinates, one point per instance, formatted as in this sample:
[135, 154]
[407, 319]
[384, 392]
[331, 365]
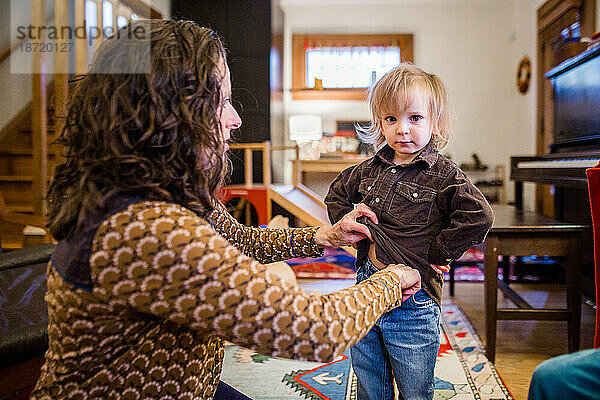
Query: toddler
[429, 213]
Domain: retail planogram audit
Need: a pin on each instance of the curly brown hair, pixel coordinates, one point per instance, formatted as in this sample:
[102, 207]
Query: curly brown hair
[154, 134]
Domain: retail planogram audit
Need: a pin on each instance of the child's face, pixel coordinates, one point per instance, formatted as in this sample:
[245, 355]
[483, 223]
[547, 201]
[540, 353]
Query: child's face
[408, 130]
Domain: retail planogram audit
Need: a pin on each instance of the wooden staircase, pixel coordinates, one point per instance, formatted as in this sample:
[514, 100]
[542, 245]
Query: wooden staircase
[16, 184]
[27, 155]
[16, 170]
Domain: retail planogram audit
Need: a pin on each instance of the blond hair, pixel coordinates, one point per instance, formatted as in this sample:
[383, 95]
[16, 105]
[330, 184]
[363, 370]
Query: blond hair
[395, 91]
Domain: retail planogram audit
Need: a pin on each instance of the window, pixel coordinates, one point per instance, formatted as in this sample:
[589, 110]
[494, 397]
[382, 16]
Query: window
[107, 18]
[344, 66]
[91, 25]
[121, 21]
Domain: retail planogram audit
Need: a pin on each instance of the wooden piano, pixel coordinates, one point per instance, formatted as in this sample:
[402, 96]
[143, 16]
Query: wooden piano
[575, 147]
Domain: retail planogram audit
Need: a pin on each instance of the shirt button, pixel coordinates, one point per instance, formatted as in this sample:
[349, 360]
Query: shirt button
[393, 170]
[369, 188]
[415, 194]
[377, 200]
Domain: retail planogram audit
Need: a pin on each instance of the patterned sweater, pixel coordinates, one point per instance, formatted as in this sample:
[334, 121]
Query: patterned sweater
[168, 287]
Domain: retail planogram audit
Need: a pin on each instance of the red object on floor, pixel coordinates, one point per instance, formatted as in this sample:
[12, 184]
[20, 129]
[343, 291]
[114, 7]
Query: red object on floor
[257, 196]
[472, 255]
[593, 176]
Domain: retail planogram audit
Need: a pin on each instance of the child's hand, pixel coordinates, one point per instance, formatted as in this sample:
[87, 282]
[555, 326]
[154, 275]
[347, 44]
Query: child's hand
[440, 269]
[410, 279]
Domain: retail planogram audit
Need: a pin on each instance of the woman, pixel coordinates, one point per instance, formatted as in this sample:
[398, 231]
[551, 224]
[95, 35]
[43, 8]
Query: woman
[150, 273]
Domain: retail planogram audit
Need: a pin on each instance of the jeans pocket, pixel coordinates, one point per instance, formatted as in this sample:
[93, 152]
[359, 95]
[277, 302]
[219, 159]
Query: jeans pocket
[420, 300]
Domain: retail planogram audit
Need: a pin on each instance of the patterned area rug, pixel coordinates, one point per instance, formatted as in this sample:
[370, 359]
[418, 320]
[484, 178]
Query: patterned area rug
[466, 273]
[465, 269]
[462, 370]
[336, 263]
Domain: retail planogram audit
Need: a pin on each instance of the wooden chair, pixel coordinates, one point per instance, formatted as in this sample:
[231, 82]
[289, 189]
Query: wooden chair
[299, 200]
[472, 258]
[255, 194]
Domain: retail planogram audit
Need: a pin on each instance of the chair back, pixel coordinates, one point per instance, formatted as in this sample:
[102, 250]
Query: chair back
[23, 314]
[593, 176]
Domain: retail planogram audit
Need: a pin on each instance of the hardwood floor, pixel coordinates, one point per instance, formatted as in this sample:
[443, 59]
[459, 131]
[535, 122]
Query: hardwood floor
[521, 345]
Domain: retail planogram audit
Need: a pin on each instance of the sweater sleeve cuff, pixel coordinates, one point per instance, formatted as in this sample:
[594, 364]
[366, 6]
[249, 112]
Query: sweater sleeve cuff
[392, 285]
[303, 243]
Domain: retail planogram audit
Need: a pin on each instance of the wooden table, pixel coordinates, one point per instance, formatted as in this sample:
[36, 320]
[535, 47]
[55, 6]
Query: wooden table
[336, 165]
[516, 232]
[318, 174]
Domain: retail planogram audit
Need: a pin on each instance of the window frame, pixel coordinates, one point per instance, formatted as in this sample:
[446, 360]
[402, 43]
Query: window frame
[300, 42]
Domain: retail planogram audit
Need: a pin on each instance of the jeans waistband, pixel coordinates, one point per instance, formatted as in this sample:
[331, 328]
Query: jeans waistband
[364, 269]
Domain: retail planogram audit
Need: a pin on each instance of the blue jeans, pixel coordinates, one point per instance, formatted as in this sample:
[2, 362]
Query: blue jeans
[570, 376]
[402, 346]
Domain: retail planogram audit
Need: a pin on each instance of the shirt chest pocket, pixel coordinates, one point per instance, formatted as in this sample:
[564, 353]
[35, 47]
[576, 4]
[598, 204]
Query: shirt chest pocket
[411, 204]
[366, 187]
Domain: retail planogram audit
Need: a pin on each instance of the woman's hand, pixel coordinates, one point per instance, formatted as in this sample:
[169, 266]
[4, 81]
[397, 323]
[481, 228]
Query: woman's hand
[410, 279]
[346, 231]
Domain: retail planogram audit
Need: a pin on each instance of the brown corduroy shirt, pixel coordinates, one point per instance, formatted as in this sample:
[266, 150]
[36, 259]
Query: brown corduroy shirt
[429, 212]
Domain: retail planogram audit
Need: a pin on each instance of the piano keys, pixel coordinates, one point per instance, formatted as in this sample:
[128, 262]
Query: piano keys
[566, 172]
[560, 163]
[562, 169]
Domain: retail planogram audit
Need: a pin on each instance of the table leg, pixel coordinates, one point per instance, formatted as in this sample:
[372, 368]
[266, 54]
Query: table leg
[519, 195]
[573, 278]
[491, 294]
[451, 273]
[505, 263]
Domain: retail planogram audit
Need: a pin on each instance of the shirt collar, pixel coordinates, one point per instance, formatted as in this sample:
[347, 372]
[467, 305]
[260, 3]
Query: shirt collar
[429, 154]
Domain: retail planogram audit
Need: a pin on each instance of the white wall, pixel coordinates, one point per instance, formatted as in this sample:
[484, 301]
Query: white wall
[16, 88]
[474, 46]
[525, 43]
[162, 6]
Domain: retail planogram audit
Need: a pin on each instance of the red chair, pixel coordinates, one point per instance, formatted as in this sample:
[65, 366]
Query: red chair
[593, 176]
